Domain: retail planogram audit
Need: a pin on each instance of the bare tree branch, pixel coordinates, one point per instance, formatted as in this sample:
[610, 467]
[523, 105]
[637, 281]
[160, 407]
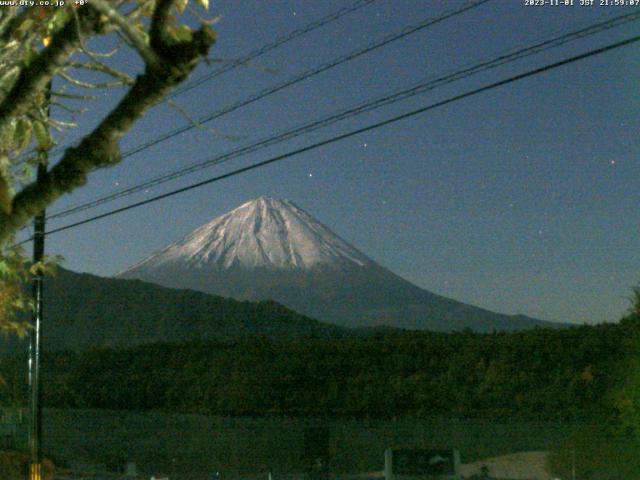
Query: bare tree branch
[200, 125]
[60, 125]
[100, 147]
[11, 20]
[36, 76]
[73, 96]
[201, 18]
[159, 20]
[90, 85]
[68, 109]
[97, 66]
[129, 31]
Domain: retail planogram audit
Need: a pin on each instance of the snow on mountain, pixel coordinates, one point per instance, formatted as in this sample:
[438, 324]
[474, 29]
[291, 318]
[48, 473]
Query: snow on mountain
[269, 249]
[263, 233]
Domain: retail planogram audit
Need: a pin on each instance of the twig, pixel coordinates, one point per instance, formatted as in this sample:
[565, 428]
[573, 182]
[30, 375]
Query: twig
[68, 109]
[203, 20]
[80, 83]
[128, 30]
[11, 22]
[97, 66]
[100, 147]
[61, 125]
[34, 77]
[199, 125]
[73, 96]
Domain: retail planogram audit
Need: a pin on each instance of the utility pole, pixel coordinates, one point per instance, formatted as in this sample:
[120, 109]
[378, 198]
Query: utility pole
[35, 345]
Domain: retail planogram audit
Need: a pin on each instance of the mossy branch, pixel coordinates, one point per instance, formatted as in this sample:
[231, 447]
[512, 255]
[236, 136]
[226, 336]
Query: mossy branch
[100, 148]
[34, 78]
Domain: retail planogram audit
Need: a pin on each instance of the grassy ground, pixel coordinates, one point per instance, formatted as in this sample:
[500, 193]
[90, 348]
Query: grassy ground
[160, 442]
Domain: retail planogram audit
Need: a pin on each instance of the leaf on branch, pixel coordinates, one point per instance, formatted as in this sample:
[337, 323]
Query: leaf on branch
[8, 76]
[181, 5]
[7, 135]
[22, 134]
[36, 268]
[181, 33]
[24, 27]
[146, 7]
[143, 32]
[43, 136]
[58, 20]
[5, 195]
[30, 55]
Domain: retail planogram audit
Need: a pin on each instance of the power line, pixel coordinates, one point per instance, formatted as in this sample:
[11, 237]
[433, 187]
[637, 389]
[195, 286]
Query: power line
[272, 46]
[358, 110]
[303, 76]
[278, 42]
[358, 131]
[308, 74]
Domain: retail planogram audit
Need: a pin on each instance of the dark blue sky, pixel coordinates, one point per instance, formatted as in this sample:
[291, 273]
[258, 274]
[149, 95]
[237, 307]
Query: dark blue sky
[520, 200]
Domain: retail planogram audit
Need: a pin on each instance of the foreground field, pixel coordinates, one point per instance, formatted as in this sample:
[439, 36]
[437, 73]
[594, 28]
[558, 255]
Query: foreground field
[172, 443]
[516, 466]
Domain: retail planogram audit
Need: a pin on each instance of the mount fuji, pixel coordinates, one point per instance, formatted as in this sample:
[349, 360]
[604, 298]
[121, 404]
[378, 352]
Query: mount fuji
[272, 249]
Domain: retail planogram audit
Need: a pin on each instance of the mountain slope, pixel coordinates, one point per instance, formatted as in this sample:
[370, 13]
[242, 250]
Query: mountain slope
[85, 311]
[262, 234]
[272, 249]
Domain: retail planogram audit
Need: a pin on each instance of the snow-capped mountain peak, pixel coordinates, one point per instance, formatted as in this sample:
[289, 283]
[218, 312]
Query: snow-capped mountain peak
[262, 233]
[269, 249]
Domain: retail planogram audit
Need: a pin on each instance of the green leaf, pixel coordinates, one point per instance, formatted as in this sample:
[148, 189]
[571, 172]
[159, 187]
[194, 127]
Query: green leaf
[5, 195]
[4, 267]
[182, 33]
[23, 173]
[36, 268]
[43, 136]
[5, 164]
[181, 5]
[204, 4]
[7, 134]
[147, 7]
[58, 20]
[8, 77]
[141, 29]
[24, 27]
[22, 134]
[30, 55]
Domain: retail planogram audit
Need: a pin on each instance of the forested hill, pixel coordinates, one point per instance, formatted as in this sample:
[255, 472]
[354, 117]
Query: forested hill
[86, 311]
[541, 373]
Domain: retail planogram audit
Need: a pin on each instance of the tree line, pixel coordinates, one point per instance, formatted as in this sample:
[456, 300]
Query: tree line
[538, 373]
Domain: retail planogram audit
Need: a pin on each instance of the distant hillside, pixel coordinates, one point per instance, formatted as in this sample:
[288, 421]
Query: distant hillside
[84, 311]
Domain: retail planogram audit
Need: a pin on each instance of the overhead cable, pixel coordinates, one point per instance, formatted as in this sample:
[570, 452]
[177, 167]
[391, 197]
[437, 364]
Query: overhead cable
[352, 133]
[397, 96]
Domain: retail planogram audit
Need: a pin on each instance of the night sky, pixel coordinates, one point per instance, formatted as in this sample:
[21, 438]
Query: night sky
[520, 200]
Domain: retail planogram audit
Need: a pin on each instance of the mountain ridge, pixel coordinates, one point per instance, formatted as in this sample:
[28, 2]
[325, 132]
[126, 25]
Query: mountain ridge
[263, 233]
[272, 249]
[85, 311]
